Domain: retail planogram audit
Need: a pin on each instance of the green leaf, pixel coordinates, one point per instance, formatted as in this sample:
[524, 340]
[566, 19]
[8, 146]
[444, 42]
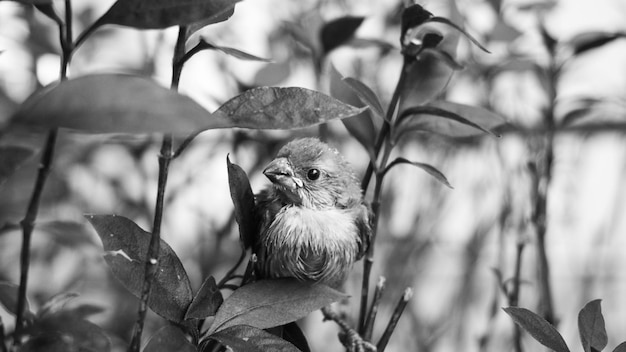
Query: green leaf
[34, 2]
[448, 119]
[112, 103]
[538, 328]
[282, 108]
[243, 200]
[242, 338]
[47, 8]
[360, 126]
[424, 80]
[366, 94]
[413, 16]
[269, 303]
[204, 45]
[11, 158]
[56, 304]
[154, 14]
[293, 334]
[431, 170]
[8, 298]
[126, 246]
[168, 339]
[620, 348]
[206, 302]
[591, 327]
[338, 31]
[217, 18]
[591, 40]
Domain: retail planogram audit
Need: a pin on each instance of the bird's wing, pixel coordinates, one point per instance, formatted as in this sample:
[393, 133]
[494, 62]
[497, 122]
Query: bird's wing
[363, 221]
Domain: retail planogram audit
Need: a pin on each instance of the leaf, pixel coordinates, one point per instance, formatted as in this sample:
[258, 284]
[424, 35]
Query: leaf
[112, 103]
[424, 80]
[56, 303]
[243, 200]
[240, 338]
[206, 302]
[63, 331]
[591, 327]
[461, 30]
[360, 126]
[301, 36]
[293, 334]
[538, 328]
[269, 303]
[11, 158]
[338, 31]
[444, 57]
[217, 18]
[204, 45]
[47, 9]
[431, 170]
[154, 14]
[126, 245]
[282, 108]
[167, 339]
[591, 40]
[448, 119]
[366, 94]
[34, 2]
[620, 348]
[8, 298]
[413, 16]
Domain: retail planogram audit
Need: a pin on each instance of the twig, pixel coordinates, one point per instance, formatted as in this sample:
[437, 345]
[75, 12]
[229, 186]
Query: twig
[352, 340]
[165, 158]
[47, 157]
[397, 313]
[229, 275]
[371, 317]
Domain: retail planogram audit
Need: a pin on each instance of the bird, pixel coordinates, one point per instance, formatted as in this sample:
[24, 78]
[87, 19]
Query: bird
[313, 221]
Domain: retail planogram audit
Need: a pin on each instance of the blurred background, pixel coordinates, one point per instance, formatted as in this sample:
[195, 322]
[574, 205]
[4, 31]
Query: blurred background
[456, 248]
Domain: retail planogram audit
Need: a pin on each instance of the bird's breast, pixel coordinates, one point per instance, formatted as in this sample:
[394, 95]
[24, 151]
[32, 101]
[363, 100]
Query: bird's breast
[310, 244]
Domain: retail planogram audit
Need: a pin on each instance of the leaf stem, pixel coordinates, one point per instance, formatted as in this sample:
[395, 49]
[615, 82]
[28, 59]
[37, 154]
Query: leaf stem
[395, 317]
[47, 157]
[165, 157]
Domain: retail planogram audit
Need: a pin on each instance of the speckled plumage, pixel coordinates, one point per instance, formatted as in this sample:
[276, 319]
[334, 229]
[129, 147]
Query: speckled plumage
[311, 229]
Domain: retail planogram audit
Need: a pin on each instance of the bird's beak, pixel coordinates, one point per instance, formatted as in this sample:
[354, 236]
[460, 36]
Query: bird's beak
[281, 173]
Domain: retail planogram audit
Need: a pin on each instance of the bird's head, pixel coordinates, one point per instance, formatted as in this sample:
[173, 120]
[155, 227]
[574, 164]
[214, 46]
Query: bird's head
[310, 173]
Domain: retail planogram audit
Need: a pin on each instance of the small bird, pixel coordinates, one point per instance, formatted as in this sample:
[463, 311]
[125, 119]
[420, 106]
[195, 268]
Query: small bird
[313, 221]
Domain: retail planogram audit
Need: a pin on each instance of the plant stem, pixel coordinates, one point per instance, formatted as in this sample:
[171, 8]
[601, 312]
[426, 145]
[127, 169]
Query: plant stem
[395, 317]
[165, 157]
[514, 294]
[45, 164]
[371, 316]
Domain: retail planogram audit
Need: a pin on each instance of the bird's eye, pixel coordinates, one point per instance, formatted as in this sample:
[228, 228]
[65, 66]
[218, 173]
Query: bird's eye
[313, 174]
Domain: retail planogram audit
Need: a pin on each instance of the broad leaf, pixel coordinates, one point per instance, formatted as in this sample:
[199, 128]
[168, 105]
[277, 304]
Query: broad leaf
[206, 302]
[243, 200]
[153, 14]
[112, 103]
[269, 303]
[360, 126]
[431, 170]
[8, 298]
[591, 327]
[448, 119]
[168, 339]
[538, 328]
[126, 246]
[47, 8]
[293, 334]
[11, 158]
[242, 338]
[366, 95]
[282, 108]
[423, 81]
[620, 348]
[220, 17]
[336, 32]
[62, 332]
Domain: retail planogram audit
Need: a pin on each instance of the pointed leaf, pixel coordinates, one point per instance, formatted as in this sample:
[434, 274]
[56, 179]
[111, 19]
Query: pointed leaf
[338, 31]
[443, 56]
[413, 16]
[293, 334]
[301, 36]
[243, 200]
[206, 302]
[154, 14]
[620, 348]
[11, 158]
[591, 327]
[168, 339]
[242, 338]
[538, 328]
[424, 80]
[447, 118]
[431, 170]
[48, 9]
[126, 245]
[282, 108]
[461, 30]
[204, 45]
[112, 103]
[360, 126]
[269, 303]
[217, 18]
[56, 303]
[366, 94]
[8, 298]
[591, 40]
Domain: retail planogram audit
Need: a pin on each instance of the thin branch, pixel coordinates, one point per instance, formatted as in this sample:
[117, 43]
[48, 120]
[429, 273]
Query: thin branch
[351, 339]
[229, 275]
[395, 317]
[371, 317]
